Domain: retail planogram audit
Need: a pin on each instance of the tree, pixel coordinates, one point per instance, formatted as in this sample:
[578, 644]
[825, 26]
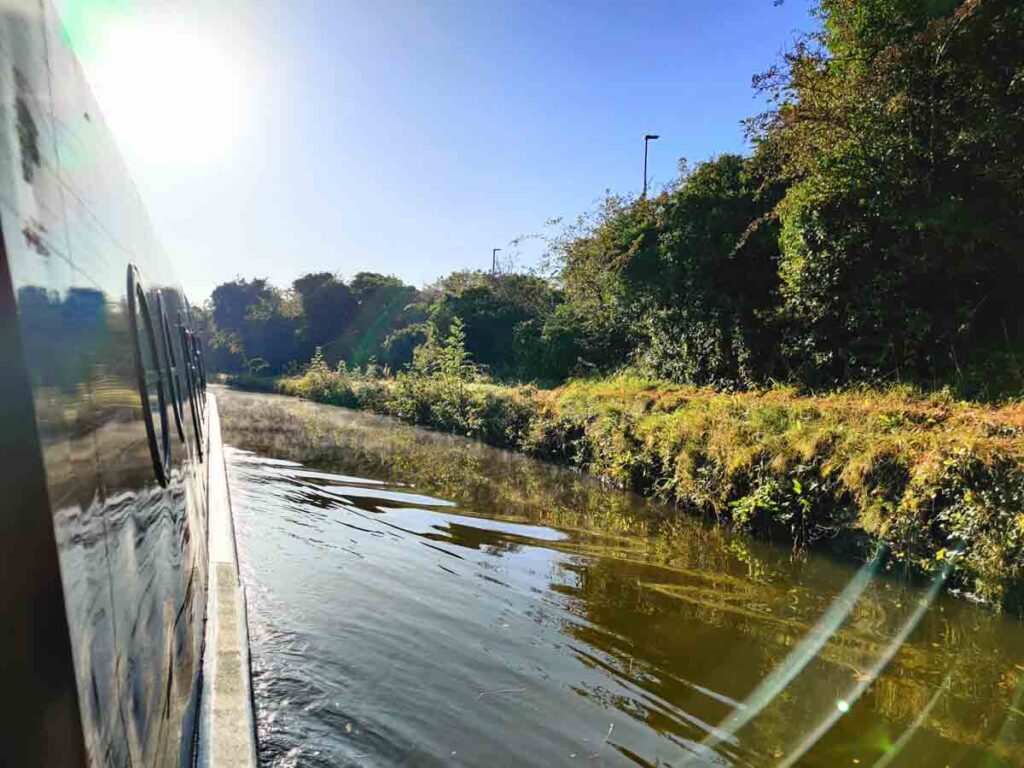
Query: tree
[492, 308]
[598, 259]
[231, 302]
[328, 307]
[385, 306]
[251, 322]
[899, 130]
[684, 284]
[711, 295]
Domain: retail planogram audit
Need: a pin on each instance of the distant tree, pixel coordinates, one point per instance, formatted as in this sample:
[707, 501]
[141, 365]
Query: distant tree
[366, 284]
[564, 343]
[385, 305]
[249, 321]
[328, 307]
[492, 307]
[231, 301]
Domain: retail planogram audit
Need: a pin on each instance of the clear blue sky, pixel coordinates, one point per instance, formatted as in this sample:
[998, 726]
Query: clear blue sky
[404, 137]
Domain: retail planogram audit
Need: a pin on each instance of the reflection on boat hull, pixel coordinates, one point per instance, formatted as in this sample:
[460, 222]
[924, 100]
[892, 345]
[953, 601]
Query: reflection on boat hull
[104, 526]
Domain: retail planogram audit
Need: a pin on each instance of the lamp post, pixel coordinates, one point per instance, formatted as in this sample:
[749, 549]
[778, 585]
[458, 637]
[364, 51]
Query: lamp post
[494, 260]
[648, 137]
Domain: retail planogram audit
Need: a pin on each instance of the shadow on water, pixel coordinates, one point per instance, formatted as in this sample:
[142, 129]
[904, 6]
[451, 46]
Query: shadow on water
[420, 599]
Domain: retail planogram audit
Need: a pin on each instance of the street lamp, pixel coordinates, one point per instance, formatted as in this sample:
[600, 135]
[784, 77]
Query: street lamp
[648, 137]
[494, 260]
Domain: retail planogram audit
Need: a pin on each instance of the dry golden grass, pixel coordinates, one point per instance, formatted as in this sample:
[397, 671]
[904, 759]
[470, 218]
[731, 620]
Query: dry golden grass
[930, 477]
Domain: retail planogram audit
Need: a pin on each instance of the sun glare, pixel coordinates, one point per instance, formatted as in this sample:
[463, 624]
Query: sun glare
[170, 96]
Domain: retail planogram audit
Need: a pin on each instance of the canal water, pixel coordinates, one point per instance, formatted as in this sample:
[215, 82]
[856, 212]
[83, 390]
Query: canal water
[418, 599]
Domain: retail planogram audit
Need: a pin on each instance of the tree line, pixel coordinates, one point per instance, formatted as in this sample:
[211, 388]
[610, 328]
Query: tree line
[875, 233]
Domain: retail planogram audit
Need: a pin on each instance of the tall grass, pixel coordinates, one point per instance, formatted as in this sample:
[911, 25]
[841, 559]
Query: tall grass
[930, 477]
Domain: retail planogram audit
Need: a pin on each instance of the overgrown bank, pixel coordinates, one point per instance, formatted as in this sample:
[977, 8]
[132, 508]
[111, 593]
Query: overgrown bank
[933, 478]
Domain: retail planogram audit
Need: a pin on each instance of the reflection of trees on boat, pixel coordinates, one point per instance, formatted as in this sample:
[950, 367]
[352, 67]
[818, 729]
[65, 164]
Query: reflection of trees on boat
[126, 549]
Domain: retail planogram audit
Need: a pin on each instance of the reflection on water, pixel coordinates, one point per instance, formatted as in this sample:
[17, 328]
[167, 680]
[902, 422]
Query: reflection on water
[419, 599]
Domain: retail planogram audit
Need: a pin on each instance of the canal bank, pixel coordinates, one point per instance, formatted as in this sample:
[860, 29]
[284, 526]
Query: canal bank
[923, 477]
[420, 598]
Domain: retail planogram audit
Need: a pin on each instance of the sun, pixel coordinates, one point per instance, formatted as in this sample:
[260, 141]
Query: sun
[170, 95]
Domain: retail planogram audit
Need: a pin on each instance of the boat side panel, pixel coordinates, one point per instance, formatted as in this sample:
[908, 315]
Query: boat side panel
[132, 551]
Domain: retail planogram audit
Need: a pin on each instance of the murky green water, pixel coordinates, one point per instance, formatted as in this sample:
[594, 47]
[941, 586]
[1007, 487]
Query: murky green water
[419, 599]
